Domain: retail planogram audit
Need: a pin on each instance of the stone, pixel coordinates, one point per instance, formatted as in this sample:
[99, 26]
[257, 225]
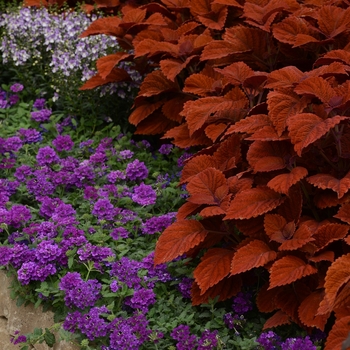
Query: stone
[23, 319]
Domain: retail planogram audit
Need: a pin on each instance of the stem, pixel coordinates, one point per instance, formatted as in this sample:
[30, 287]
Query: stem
[328, 161]
[309, 204]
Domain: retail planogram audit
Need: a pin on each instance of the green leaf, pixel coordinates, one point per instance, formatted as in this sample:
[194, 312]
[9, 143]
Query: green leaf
[49, 338]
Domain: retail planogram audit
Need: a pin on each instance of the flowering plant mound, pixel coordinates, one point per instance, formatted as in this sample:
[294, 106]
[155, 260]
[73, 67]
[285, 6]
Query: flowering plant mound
[80, 214]
[42, 48]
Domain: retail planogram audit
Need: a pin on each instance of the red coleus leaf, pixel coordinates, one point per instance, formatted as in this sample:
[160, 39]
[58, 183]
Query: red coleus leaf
[324, 256]
[249, 124]
[254, 254]
[245, 39]
[199, 111]
[214, 131]
[334, 56]
[228, 153]
[329, 233]
[283, 182]
[196, 165]
[344, 213]
[177, 239]
[208, 187]
[301, 236]
[289, 269]
[105, 25]
[308, 309]
[106, 64]
[277, 229]
[199, 84]
[337, 276]
[263, 16]
[338, 334]
[115, 75]
[225, 289]
[265, 299]
[172, 67]
[186, 210]
[156, 83]
[173, 107]
[333, 20]
[252, 203]
[157, 124]
[279, 318]
[282, 105]
[215, 265]
[267, 156]
[150, 47]
[316, 86]
[214, 19]
[183, 139]
[306, 128]
[236, 73]
[143, 111]
[283, 78]
[292, 29]
[288, 298]
[328, 198]
[340, 186]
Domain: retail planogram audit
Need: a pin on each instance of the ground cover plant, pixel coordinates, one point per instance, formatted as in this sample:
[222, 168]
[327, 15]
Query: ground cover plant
[84, 194]
[263, 85]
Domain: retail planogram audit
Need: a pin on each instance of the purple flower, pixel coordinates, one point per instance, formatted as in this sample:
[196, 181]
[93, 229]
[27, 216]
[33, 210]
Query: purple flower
[42, 115]
[94, 253]
[142, 299]
[126, 154]
[18, 215]
[98, 157]
[185, 287]
[63, 143]
[269, 340]
[136, 170]
[242, 303]
[103, 209]
[13, 99]
[129, 334]
[144, 195]
[113, 176]
[126, 270]
[298, 344]
[16, 87]
[39, 103]
[208, 340]
[79, 293]
[47, 251]
[114, 286]
[157, 223]
[13, 144]
[186, 340]
[119, 232]
[31, 271]
[29, 135]
[165, 149]
[46, 156]
[92, 324]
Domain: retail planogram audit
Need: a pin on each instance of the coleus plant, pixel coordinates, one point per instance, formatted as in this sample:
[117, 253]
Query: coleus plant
[264, 87]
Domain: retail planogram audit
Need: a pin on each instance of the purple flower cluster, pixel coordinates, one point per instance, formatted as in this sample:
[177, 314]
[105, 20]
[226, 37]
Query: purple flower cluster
[185, 340]
[158, 223]
[136, 170]
[79, 293]
[271, 341]
[242, 303]
[144, 194]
